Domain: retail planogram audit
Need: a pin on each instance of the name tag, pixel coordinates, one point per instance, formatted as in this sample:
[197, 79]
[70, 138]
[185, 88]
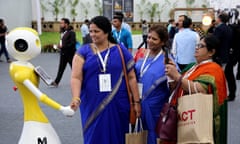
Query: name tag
[140, 88]
[105, 83]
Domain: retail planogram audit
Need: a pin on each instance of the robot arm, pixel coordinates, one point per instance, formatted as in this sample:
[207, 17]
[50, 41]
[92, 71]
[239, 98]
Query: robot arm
[66, 110]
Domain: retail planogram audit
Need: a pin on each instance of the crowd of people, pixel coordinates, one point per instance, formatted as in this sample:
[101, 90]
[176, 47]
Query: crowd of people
[99, 88]
[100, 91]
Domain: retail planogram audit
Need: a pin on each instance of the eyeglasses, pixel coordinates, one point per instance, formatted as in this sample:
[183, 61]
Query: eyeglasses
[198, 46]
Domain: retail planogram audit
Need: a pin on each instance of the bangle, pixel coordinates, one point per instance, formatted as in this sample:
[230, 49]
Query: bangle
[76, 99]
[136, 102]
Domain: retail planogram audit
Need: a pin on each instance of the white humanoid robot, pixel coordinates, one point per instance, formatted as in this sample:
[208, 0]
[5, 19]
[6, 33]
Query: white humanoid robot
[24, 44]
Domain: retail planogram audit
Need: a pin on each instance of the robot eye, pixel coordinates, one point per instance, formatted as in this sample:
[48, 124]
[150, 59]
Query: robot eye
[21, 45]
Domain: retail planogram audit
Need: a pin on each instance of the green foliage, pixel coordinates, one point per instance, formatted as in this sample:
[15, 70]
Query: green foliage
[50, 38]
[141, 8]
[98, 6]
[152, 10]
[43, 7]
[162, 8]
[56, 7]
[189, 3]
[73, 4]
[85, 7]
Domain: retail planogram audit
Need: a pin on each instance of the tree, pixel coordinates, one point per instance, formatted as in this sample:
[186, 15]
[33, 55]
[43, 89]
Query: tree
[162, 7]
[152, 10]
[85, 7]
[73, 12]
[141, 8]
[189, 4]
[56, 7]
[98, 6]
[173, 6]
[43, 8]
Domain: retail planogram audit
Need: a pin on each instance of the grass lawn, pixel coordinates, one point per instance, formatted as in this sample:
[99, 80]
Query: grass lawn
[50, 38]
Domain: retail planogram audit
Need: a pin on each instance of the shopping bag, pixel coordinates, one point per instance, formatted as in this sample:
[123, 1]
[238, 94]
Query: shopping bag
[195, 124]
[138, 136]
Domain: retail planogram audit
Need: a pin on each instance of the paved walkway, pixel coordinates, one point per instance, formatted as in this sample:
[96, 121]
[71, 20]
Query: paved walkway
[68, 129]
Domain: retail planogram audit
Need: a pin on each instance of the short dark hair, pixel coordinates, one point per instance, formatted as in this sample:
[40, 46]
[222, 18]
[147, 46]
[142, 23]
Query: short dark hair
[86, 21]
[66, 21]
[186, 22]
[120, 14]
[171, 20]
[118, 17]
[223, 17]
[212, 42]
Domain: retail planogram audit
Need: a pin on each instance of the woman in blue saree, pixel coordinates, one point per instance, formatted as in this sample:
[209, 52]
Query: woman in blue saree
[152, 80]
[98, 83]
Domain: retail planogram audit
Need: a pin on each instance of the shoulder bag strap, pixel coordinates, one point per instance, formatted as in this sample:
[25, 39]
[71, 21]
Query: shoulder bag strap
[125, 75]
[174, 93]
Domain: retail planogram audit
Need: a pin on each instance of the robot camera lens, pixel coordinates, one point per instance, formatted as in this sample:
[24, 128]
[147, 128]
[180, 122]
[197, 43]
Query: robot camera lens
[21, 45]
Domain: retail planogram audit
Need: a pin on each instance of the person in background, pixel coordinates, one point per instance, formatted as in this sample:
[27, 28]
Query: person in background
[212, 27]
[144, 34]
[120, 34]
[224, 34]
[67, 48]
[237, 27]
[184, 42]
[99, 87]
[124, 24]
[206, 76]
[172, 31]
[234, 58]
[152, 80]
[85, 32]
[170, 24]
[3, 33]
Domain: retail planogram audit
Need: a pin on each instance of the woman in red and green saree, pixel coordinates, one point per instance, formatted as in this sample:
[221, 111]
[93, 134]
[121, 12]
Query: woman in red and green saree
[98, 80]
[206, 76]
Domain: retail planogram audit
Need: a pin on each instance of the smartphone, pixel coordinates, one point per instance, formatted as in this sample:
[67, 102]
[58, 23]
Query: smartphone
[166, 56]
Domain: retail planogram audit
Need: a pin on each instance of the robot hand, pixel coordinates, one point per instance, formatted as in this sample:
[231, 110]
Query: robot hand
[67, 111]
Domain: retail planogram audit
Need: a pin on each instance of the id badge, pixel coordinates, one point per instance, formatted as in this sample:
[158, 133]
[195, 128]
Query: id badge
[105, 83]
[140, 88]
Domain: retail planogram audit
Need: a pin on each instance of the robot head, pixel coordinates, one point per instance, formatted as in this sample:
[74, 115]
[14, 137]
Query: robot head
[23, 43]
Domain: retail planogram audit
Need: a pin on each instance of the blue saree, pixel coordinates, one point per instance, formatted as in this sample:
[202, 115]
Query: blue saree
[105, 115]
[155, 93]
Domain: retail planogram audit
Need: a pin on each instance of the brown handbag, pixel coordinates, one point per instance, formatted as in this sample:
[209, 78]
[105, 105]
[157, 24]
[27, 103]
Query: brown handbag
[132, 111]
[166, 128]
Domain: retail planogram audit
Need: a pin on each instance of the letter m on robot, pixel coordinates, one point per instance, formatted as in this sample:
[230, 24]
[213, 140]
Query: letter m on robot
[42, 141]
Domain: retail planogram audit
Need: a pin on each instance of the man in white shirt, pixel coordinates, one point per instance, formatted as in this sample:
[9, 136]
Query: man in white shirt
[85, 32]
[184, 42]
